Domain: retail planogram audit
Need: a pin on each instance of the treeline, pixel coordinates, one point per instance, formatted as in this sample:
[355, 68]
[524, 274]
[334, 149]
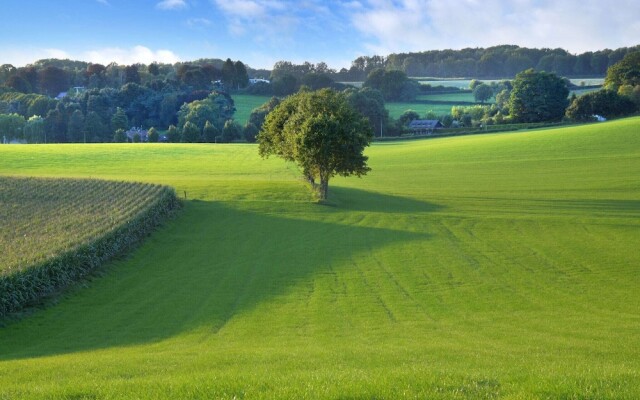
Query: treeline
[52, 76]
[494, 62]
[41, 102]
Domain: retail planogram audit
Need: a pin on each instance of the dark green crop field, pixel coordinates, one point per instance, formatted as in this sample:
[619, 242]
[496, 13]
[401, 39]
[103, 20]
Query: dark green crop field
[42, 218]
[488, 266]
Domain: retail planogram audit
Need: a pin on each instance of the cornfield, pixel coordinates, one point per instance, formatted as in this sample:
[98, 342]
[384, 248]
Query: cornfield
[54, 231]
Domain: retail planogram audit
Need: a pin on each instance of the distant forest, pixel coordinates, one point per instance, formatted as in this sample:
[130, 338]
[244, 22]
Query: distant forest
[496, 62]
[75, 101]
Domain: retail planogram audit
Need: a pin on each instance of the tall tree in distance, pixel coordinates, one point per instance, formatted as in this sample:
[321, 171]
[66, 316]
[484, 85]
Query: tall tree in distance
[321, 133]
[228, 73]
[241, 76]
[538, 97]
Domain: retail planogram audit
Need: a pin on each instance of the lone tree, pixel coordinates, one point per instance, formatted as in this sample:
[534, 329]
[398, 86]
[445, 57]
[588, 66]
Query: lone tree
[321, 133]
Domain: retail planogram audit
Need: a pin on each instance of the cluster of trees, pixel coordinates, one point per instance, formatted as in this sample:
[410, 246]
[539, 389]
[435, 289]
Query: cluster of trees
[543, 97]
[52, 76]
[493, 62]
[620, 96]
[98, 96]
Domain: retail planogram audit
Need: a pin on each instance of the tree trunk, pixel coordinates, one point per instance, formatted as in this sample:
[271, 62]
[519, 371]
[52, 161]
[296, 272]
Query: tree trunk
[324, 188]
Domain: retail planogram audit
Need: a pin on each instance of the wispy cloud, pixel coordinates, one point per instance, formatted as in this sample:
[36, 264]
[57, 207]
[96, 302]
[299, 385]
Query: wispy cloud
[414, 25]
[197, 23]
[126, 56]
[105, 2]
[172, 4]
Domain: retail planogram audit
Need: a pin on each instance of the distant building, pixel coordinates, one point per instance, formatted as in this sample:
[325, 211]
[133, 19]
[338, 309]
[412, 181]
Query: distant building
[253, 81]
[143, 133]
[75, 91]
[425, 126]
[599, 118]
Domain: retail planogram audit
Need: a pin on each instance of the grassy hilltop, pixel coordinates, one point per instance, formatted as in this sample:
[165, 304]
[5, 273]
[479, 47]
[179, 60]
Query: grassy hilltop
[493, 266]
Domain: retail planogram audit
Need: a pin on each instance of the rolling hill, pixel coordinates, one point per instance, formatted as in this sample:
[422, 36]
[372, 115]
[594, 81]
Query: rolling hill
[490, 266]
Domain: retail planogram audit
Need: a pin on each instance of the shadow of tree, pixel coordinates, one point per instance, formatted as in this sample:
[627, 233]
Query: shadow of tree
[215, 261]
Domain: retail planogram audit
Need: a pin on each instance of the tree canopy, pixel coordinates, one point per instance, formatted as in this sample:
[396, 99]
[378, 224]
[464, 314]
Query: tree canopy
[394, 85]
[538, 97]
[625, 72]
[321, 133]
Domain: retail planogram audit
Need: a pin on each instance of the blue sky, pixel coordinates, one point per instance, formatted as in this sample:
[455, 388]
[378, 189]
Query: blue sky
[261, 32]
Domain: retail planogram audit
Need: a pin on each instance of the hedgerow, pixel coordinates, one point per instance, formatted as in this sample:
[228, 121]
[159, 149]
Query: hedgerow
[24, 285]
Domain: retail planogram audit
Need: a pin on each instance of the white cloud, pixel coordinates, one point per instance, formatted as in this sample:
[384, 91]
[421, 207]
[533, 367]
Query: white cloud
[576, 25]
[172, 4]
[56, 53]
[123, 56]
[137, 54]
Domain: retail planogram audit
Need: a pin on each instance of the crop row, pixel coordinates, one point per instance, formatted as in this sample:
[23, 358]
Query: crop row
[56, 231]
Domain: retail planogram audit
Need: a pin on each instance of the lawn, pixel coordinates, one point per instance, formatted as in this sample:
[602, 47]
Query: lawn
[489, 266]
[397, 109]
[246, 103]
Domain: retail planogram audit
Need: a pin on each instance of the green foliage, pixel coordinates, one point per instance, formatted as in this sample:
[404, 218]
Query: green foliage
[259, 114]
[394, 85]
[241, 77]
[285, 85]
[625, 72]
[606, 103]
[119, 136]
[34, 130]
[217, 108]
[152, 135]
[119, 120]
[407, 117]
[94, 128]
[191, 133]
[370, 103]
[321, 133]
[250, 132]
[11, 126]
[69, 227]
[210, 132]
[75, 127]
[173, 135]
[231, 132]
[632, 93]
[482, 92]
[317, 81]
[538, 97]
[53, 80]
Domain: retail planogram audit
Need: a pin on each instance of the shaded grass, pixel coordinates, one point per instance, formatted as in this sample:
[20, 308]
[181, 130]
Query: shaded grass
[474, 267]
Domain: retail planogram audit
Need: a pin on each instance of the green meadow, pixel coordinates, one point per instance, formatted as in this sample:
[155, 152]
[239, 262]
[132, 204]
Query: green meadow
[488, 266]
[245, 103]
[396, 109]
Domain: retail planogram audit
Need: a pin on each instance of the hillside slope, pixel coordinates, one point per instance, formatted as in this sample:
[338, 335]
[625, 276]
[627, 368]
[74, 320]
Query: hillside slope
[471, 267]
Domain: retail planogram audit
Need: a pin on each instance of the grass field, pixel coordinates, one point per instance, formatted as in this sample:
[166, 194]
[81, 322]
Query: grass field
[492, 266]
[245, 103]
[397, 109]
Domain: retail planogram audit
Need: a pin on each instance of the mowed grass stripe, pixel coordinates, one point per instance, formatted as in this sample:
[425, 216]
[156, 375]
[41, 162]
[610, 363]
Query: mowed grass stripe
[472, 267]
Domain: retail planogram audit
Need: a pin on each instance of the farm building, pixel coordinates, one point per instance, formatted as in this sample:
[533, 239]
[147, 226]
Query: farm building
[424, 126]
[131, 133]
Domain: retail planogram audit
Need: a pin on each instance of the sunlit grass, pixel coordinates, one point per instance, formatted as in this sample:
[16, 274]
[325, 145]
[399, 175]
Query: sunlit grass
[488, 266]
